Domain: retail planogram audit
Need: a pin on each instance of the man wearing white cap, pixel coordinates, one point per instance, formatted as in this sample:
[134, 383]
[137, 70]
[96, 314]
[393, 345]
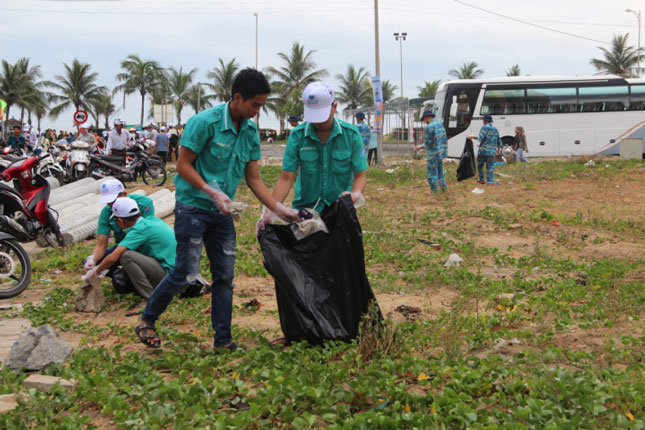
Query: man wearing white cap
[84, 136]
[110, 191]
[327, 150]
[147, 253]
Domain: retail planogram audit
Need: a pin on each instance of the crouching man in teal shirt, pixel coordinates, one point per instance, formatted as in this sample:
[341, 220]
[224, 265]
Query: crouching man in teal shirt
[147, 253]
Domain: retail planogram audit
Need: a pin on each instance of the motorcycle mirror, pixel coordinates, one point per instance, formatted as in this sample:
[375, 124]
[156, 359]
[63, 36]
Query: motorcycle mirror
[6, 150]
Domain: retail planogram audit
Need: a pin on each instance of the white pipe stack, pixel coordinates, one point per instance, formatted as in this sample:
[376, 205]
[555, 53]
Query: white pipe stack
[91, 187]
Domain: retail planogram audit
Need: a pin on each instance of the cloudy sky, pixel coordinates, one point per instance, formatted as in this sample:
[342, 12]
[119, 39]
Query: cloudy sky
[442, 34]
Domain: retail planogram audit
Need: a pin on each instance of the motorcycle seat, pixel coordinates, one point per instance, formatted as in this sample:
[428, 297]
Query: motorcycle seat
[111, 159]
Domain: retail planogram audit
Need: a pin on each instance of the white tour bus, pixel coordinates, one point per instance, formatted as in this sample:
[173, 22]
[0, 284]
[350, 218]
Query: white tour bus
[561, 115]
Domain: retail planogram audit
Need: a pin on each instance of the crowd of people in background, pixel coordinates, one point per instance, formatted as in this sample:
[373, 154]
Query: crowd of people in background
[163, 140]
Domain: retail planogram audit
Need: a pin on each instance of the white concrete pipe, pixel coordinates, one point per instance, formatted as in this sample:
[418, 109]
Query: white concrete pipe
[92, 187]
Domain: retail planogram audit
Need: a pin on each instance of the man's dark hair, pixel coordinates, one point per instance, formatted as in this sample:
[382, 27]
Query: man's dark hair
[16, 127]
[131, 218]
[250, 82]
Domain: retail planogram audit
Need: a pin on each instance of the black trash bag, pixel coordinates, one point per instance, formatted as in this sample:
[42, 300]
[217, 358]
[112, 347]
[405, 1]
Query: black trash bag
[466, 168]
[197, 288]
[121, 282]
[321, 286]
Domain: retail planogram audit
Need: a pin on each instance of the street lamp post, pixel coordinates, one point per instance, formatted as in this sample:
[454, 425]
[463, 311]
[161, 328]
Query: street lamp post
[400, 37]
[377, 55]
[638, 16]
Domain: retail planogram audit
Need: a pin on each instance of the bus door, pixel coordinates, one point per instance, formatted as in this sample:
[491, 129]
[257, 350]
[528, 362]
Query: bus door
[462, 106]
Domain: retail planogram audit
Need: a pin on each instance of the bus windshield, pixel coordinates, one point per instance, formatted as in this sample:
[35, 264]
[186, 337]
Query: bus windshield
[439, 103]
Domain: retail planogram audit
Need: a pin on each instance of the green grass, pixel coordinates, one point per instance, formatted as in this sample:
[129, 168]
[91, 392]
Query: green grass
[440, 374]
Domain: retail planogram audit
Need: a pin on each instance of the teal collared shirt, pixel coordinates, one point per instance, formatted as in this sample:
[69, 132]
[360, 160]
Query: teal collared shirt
[153, 238]
[222, 154]
[107, 224]
[326, 170]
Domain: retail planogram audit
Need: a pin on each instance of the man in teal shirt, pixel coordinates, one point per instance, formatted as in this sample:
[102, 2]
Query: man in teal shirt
[218, 148]
[112, 189]
[147, 253]
[328, 152]
[16, 140]
[364, 130]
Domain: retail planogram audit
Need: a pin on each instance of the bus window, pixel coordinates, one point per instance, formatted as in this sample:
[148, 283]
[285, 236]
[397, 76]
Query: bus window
[503, 102]
[603, 99]
[637, 98]
[551, 100]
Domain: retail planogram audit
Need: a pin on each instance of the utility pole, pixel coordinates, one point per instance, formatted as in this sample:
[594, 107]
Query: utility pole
[379, 147]
[256, 40]
[400, 38]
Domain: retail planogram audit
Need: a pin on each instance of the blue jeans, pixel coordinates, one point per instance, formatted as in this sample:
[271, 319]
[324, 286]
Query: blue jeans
[195, 228]
[436, 177]
[519, 156]
[489, 160]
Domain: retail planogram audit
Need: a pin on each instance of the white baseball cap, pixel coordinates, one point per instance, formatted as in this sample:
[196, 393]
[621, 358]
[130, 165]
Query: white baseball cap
[26, 127]
[318, 98]
[163, 128]
[125, 207]
[110, 190]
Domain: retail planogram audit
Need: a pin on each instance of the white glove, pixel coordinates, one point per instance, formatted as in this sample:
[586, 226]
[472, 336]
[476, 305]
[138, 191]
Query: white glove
[89, 263]
[91, 274]
[286, 215]
[357, 198]
[220, 199]
[265, 218]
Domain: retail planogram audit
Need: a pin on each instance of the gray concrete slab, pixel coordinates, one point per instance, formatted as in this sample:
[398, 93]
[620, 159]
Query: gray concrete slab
[10, 330]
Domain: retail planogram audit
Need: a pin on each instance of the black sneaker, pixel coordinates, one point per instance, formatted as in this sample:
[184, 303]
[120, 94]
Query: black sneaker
[231, 347]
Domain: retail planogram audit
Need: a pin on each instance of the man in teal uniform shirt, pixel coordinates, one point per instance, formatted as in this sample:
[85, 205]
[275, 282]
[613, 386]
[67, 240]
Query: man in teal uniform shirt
[328, 152]
[436, 144]
[112, 189]
[147, 253]
[218, 148]
[16, 140]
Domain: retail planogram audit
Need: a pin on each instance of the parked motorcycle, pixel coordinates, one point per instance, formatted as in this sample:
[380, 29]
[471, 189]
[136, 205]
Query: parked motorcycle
[47, 167]
[78, 161]
[152, 171]
[24, 212]
[15, 267]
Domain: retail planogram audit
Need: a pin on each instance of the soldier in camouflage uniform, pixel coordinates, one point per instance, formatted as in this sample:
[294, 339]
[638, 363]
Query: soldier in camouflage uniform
[436, 144]
[489, 145]
[364, 130]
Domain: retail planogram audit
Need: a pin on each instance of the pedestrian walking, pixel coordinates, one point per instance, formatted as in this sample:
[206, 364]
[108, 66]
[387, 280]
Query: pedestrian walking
[364, 130]
[436, 144]
[519, 144]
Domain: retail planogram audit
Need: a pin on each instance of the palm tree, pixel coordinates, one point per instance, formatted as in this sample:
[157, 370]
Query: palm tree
[76, 88]
[514, 70]
[17, 83]
[354, 87]
[467, 71]
[101, 104]
[388, 89]
[223, 77]
[198, 99]
[620, 59]
[179, 84]
[138, 75]
[298, 70]
[429, 89]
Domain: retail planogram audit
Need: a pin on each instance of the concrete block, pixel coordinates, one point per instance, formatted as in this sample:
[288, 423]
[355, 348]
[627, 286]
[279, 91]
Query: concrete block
[8, 402]
[631, 149]
[46, 383]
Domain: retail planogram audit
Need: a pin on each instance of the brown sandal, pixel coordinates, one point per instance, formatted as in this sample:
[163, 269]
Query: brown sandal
[149, 340]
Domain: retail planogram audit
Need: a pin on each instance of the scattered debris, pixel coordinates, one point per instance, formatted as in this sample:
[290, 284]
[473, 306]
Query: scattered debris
[392, 170]
[453, 260]
[514, 226]
[90, 298]
[501, 343]
[409, 312]
[436, 246]
[11, 306]
[581, 279]
[253, 305]
[555, 222]
[46, 383]
[503, 175]
[478, 191]
[38, 348]
[590, 163]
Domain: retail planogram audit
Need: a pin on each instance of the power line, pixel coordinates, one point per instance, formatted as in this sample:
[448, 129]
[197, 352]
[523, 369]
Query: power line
[530, 23]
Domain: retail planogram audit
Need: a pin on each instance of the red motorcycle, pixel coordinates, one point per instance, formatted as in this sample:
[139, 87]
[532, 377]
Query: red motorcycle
[24, 212]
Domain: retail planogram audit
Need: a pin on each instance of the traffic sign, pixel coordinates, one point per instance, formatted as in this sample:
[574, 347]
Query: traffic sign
[80, 116]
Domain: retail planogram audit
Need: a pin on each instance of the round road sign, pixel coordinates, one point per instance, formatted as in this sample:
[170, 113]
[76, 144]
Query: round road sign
[80, 116]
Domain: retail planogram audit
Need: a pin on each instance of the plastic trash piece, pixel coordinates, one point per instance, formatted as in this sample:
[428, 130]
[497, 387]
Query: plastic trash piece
[453, 260]
[321, 286]
[392, 170]
[590, 163]
[237, 208]
[478, 191]
[309, 226]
